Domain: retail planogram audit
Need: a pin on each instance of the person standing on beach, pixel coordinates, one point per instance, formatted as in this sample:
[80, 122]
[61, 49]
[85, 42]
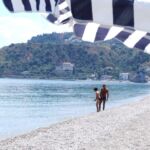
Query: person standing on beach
[97, 99]
[104, 94]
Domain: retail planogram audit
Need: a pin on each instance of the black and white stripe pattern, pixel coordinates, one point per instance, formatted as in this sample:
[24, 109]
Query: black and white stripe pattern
[93, 32]
[30, 5]
[64, 13]
[133, 13]
[123, 13]
[59, 10]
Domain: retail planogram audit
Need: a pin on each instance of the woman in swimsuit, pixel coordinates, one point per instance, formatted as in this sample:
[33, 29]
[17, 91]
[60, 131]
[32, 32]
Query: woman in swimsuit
[97, 99]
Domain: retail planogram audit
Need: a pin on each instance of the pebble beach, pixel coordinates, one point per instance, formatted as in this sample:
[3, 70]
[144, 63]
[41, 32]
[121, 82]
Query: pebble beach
[121, 128]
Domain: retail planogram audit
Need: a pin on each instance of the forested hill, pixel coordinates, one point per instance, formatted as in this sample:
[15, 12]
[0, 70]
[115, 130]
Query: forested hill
[39, 57]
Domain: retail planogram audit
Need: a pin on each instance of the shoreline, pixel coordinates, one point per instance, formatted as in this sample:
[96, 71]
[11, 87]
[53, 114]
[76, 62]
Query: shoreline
[108, 107]
[123, 127]
[74, 104]
[72, 79]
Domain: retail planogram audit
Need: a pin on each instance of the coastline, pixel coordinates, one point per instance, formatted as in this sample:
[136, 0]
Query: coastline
[123, 127]
[21, 104]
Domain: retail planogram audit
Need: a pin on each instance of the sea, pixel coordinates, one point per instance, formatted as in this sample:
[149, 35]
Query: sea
[29, 104]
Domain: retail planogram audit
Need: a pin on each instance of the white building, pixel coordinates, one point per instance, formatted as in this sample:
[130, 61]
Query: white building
[124, 76]
[106, 77]
[67, 66]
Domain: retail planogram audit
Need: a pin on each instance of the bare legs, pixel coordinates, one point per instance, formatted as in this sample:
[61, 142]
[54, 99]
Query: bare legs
[104, 104]
[98, 105]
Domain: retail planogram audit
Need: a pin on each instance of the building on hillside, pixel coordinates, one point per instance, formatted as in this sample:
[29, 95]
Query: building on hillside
[67, 66]
[147, 70]
[139, 77]
[106, 77]
[92, 76]
[124, 76]
[64, 68]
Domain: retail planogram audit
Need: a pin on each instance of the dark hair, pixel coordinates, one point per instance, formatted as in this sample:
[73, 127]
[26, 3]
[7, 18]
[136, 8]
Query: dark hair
[95, 89]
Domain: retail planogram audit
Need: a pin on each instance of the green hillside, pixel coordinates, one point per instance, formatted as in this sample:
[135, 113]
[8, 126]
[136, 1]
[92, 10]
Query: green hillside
[39, 57]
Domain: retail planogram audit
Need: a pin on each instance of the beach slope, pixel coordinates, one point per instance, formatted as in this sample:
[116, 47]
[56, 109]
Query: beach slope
[123, 128]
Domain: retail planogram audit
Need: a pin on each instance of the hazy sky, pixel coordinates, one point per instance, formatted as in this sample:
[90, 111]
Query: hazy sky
[20, 27]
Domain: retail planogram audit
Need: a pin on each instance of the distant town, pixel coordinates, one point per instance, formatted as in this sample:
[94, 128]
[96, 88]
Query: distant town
[68, 68]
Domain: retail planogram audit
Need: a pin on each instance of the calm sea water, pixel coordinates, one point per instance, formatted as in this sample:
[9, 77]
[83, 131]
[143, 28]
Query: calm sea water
[29, 104]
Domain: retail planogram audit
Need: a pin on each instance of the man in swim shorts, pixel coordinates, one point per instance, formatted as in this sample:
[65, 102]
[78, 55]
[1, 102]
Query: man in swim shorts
[104, 94]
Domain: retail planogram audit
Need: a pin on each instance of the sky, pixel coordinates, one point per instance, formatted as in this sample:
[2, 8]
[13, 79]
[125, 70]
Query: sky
[20, 27]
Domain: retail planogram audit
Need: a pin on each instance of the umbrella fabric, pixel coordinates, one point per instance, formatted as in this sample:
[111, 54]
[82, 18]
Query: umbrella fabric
[96, 20]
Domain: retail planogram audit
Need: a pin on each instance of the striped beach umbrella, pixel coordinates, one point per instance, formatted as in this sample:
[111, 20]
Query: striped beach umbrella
[96, 20]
